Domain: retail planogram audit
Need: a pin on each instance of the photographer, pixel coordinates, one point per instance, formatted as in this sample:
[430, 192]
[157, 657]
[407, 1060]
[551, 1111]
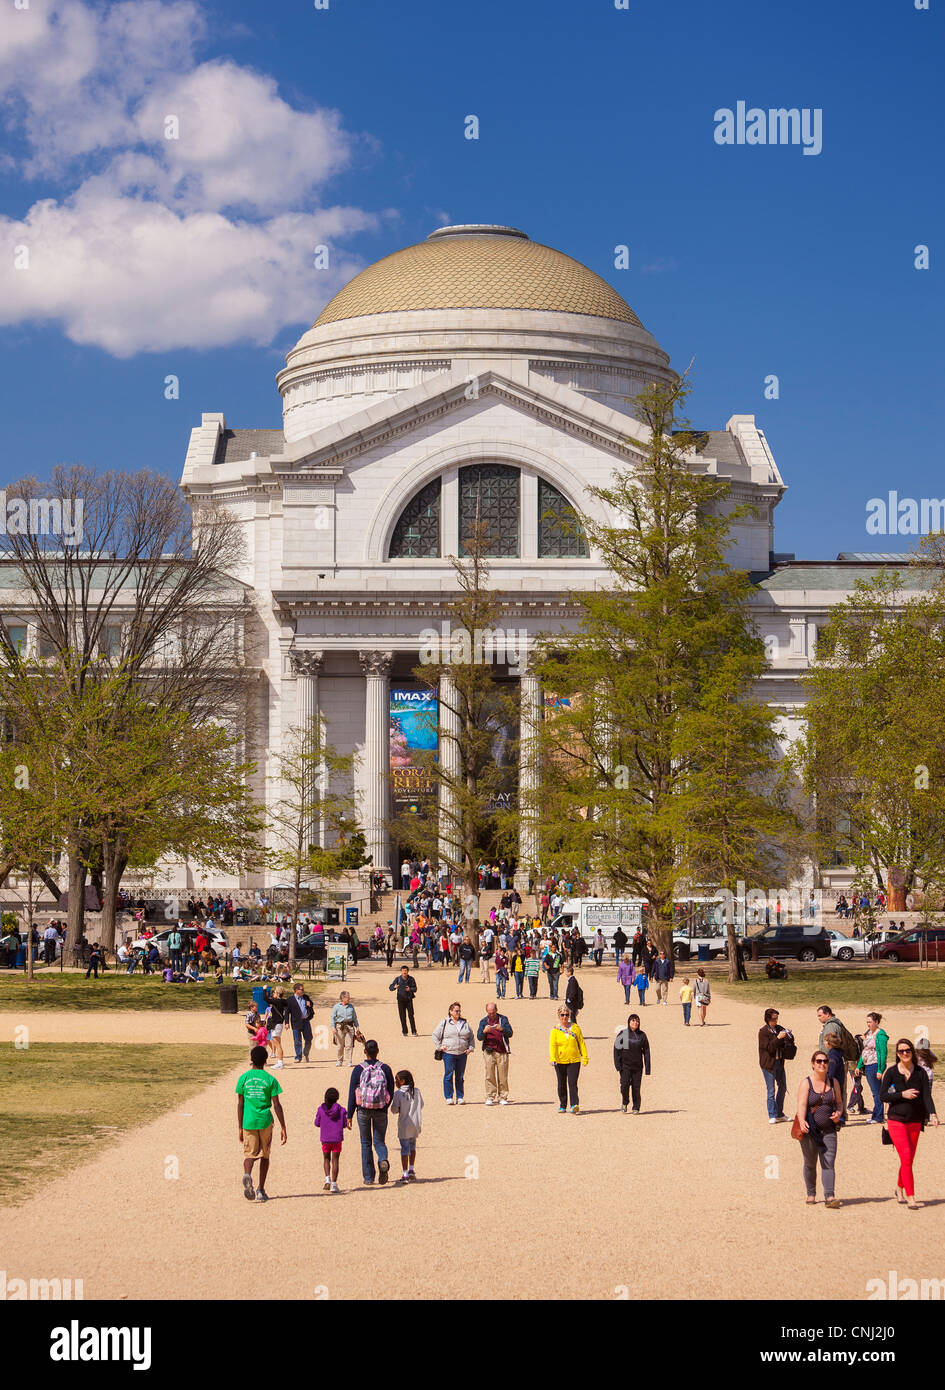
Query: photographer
[494, 1032]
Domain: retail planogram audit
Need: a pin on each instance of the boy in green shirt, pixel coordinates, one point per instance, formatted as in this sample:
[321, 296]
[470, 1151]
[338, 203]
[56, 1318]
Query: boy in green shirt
[257, 1096]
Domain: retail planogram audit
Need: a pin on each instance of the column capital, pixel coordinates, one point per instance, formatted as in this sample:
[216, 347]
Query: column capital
[306, 663]
[376, 663]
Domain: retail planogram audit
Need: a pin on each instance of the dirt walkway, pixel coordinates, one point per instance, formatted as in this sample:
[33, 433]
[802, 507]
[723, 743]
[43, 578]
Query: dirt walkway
[696, 1197]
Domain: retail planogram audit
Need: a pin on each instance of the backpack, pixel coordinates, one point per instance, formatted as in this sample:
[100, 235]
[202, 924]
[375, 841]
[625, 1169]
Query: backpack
[848, 1044]
[372, 1092]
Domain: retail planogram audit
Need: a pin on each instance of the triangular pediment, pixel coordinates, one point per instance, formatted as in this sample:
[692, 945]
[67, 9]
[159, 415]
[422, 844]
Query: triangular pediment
[450, 393]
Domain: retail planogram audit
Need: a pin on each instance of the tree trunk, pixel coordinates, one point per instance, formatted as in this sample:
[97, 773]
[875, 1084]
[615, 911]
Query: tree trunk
[732, 951]
[75, 921]
[296, 881]
[29, 926]
[113, 866]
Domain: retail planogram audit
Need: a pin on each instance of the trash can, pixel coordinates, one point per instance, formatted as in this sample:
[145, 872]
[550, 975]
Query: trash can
[229, 998]
[21, 958]
[703, 951]
[259, 995]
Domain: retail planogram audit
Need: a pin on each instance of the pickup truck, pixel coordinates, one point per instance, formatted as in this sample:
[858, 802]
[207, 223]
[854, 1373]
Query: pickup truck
[686, 944]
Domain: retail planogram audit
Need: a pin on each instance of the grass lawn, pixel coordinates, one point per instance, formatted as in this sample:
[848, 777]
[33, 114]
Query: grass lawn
[863, 987]
[53, 990]
[62, 1100]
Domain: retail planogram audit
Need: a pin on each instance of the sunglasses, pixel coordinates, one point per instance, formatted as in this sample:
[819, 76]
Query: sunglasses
[904, 1051]
[820, 1061]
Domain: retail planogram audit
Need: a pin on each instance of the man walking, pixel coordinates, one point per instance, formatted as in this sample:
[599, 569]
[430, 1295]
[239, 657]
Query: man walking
[620, 943]
[50, 938]
[494, 1032]
[369, 1095]
[771, 1040]
[573, 995]
[406, 987]
[175, 943]
[664, 970]
[551, 964]
[344, 1022]
[258, 1095]
[301, 1013]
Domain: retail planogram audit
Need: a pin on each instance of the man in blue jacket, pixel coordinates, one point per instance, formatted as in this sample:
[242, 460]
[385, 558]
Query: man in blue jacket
[664, 970]
[494, 1032]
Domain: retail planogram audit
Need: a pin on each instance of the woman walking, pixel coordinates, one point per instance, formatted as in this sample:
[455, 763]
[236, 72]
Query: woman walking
[518, 970]
[278, 1015]
[453, 1040]
[908, 1096]
[872, 1062]
[702, 995]
[568, 1053]
[501, 973]
[390, 945]
[819, 1111]
[625, 977]
[632, 1059]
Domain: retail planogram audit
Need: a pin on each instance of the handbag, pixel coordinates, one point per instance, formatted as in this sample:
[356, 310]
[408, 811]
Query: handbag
[796, 1131]
[438, 1054]
[886, 1136]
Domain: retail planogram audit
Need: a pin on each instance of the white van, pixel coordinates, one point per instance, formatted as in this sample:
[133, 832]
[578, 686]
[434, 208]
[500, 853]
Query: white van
[605, 914]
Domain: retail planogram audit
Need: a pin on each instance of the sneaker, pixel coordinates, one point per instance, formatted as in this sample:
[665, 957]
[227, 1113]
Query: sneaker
[490, 1102]
[277, 1065]
[833, 1203]
[460, 1100]
[382, 1171]
[261, 1195]
[773, 1120]
[450, 1100]
[327, 1184]
[339, 1064]
[503, 1102]
[334, 1187]
[575, 1110]
[623, 1109]
[560, 1109]
[635, 1112]
[404, 1179]
[248, 1192]
[411, 1175]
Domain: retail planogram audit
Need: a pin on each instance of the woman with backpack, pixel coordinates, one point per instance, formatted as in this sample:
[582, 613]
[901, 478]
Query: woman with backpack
[872, 1063]
[453, 1040]
[819, 1112]
[702, 994]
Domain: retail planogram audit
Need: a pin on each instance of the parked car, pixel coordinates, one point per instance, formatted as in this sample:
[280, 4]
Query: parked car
[908, 945]
[848, 947]
[218, 941]
[801, 943]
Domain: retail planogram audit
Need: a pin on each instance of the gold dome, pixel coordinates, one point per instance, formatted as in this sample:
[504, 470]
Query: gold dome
[477, 267]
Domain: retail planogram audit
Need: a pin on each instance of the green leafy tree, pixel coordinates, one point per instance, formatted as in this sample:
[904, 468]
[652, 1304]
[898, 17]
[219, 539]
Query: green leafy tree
[873, 753]
[657, 756]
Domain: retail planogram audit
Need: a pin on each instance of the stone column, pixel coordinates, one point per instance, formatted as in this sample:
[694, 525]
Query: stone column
[376, 667]
[448, 753]
[306, 667]
[529, 776]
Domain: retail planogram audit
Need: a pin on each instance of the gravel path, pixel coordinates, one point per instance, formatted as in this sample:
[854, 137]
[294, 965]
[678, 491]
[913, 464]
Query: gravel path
[696, 1197]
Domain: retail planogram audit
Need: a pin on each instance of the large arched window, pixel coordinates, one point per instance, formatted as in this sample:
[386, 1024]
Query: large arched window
[489, 495]
[417, 533]
[560, 533]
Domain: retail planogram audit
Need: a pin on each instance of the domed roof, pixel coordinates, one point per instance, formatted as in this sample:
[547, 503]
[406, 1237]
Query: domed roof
[477, 267]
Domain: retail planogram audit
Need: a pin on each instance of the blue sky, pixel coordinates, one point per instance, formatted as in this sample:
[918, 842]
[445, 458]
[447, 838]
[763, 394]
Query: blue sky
[596, 129]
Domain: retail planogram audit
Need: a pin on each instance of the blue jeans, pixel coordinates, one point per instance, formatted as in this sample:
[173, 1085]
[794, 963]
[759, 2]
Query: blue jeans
[454, 1069]
[299, 1032]
[872, 1076]
[465, 965]
[626, 993]
[686, 1012]
[372, 1125]
[519, 977]
[553, 976]
[776, 1085]
[500, 982]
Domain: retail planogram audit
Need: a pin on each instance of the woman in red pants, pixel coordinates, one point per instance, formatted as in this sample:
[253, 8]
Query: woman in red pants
[908, 1096]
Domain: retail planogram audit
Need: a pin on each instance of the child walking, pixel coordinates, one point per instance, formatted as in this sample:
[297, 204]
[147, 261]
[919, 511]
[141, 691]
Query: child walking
[642, 982]
[330, 1120]
[685, 996]
[407, 1105]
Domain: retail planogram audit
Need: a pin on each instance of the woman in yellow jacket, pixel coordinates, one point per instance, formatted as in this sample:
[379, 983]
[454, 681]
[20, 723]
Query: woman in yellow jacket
[568, 1054]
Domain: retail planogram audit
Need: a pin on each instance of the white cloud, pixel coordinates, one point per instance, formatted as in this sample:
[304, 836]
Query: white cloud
[154, 243]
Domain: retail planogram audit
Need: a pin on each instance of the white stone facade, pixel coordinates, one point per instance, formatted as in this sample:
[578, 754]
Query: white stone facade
[379, 405]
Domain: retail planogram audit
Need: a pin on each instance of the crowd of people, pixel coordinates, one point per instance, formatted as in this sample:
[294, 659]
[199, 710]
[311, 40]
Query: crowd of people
[842, 1060]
